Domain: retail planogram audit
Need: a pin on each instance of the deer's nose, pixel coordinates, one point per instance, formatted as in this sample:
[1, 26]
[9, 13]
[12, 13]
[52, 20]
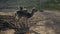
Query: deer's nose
[27, 32]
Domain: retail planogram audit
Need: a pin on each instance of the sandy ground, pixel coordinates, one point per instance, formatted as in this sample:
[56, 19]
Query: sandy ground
[47, 22]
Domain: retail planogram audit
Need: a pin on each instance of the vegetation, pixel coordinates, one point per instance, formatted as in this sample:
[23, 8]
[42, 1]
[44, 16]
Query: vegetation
[52, 4]
[44, 4]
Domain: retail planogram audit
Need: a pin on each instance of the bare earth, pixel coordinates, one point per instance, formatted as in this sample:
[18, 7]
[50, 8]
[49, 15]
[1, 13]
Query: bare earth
[47, 22]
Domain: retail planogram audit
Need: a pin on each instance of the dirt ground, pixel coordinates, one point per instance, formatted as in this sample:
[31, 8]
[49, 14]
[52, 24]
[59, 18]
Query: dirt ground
[47, 22]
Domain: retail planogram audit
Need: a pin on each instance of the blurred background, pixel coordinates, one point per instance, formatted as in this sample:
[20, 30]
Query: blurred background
[43, 4]
[48, 21]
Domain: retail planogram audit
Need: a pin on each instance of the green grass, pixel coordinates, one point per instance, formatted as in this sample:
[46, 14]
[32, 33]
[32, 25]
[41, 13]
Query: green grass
[51, 6]
[45, 4]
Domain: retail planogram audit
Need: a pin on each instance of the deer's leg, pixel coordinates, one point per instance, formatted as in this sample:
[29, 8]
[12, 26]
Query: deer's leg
[18, 19]
[18, 23]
